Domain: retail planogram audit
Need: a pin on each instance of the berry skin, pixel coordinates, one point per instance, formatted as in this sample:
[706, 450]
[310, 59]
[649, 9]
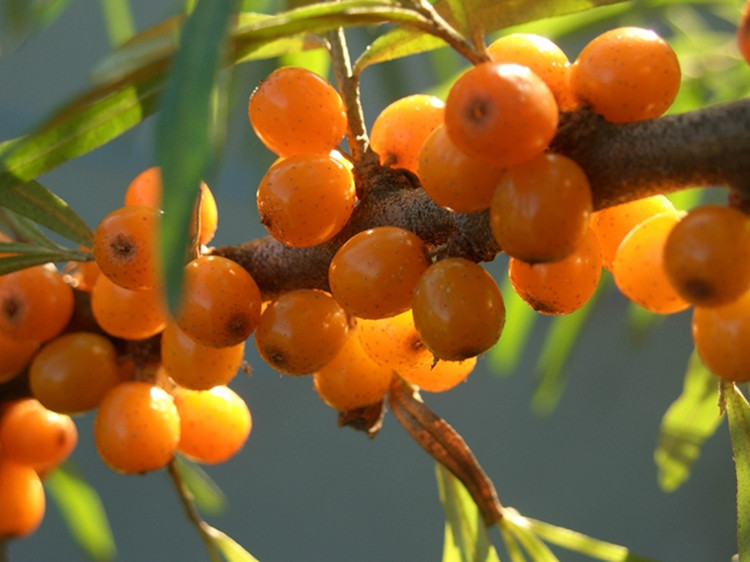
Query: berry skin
[306, 199]
[374, 273]
[452, 178]
[146, 189]
[612, 224]
[214, 423]
[707, 255]
[540, 210]
[72, 373]
[301, 330]
[136, 428]
[14, 356]
[127, 314]
[22, 498]
[440, 377]
[295, 111]
[400, 129]
[722, 338]
[220, 304]
[743, 33]
[31, 434]
[458, 309]
[639, 270]
[125, 247]
[503, 114]
[627, 74]
[35, 304]
[394, 342]
[197, 366]
[543, 57]
[560, 287]
[351, 379]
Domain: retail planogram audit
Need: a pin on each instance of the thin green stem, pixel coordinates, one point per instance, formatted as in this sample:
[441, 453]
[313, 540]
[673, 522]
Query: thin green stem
[119, 21]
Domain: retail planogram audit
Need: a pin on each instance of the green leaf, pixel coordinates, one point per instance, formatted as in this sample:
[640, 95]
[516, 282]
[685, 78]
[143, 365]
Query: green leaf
[21, 18]
[520, 319]
[230, 549]
[689, 421]
[119, 20]
[183, 135]
[209, 498]
[466, 538]
[518, 527]
[83, 512]
[41, 256]
[738, 412]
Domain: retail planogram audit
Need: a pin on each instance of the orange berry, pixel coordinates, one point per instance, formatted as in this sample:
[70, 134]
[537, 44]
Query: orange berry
[743, 33]
[351, 379]
[136, 428]
[540, 210]
[458, 309]
[639, 270]
[35, 304]
[501, 113]
[394, 342]
[22, 499]
[295, 111]
[301, 330]
[612, 224]
[452, 178]
[83, 274]
[125, 247]
[73, 372]
[374, 273]
[306, 199]
[31, 434]
[214, 423]
[400, 129]
[146, 189]
[220, 303]
[197, 366]
[542, 56]
[127, 314]
[559, 287]
[707, 255]
[627, 74]
[14, 356]
[442, 376]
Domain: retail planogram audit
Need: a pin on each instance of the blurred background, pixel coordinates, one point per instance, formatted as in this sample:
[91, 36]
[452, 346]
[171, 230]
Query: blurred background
[304, 489]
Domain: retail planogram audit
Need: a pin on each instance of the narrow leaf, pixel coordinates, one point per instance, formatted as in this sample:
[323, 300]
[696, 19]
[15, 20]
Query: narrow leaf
[519, 527]
[687, 423]
[208, 497]
[504, 357]
[9, 264]
[230, 549]
[468, 535]
[83, 513]
[119, 20]
[183, 136]
[738, 412]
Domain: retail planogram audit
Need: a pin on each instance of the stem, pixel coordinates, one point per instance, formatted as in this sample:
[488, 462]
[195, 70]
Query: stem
[188, 504]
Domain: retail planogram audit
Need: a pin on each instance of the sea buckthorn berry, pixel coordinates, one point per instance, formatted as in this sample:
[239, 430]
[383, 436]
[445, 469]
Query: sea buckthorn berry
[722, 338]
[220, 303]
[374, 273]
[400, 129]
[707, 255]
[305, 200]
[127, 314]
[146, 189]
[743, 33]
[295, 111]
[559, 287]
[301, 330]
[627, 74]
[22, 498]
[351, 379]
[442, 376]
[612, 224]
[31, 434]
[137, 428]
[542, 56]
[14, 356]
[452, 178]
[195, 365]
[125, 246]
[214, 423]
[639, 270]
[394, 342]
[82, 275]
[503, 114]
[540, 210]
[458, 309]
[72, 373]
[35, 304]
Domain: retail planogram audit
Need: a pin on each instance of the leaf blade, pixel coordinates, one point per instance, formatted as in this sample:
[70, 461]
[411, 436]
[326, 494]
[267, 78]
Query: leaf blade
[738, 413]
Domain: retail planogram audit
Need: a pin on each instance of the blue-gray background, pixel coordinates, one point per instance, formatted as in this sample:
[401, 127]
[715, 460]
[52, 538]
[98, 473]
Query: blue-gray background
[303, 489]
